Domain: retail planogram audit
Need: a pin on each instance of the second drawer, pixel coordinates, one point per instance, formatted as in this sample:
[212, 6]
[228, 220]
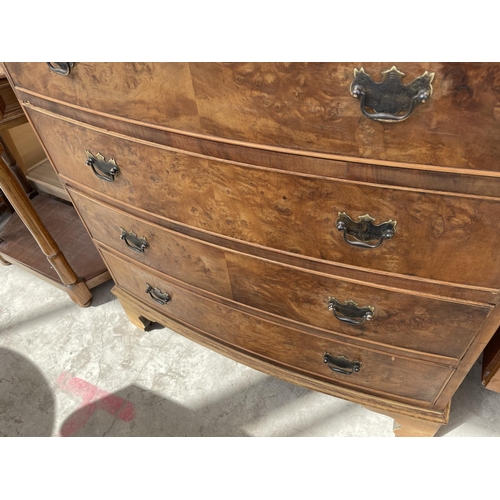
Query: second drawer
[436, 236]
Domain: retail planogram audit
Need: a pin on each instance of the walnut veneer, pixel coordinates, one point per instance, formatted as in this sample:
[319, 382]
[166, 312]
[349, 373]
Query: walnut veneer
[214, 191]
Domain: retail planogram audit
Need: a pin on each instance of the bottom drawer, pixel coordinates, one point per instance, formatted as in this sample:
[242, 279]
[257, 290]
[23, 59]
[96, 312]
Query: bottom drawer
[379, 373]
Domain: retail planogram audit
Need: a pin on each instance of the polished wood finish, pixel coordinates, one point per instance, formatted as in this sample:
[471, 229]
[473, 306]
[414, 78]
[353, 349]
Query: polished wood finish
[168, 251]
[284, 346]
[269, 208]
[413, 175]
[440, 327]
[374, 402]
[237, 173]
[305, 106]
[406, 426]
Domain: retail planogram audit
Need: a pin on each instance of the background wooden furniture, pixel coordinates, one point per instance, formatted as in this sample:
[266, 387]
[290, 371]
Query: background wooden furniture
[22, 150]
[35, 226]
[11, 116]
[25, 236]
[229, 202]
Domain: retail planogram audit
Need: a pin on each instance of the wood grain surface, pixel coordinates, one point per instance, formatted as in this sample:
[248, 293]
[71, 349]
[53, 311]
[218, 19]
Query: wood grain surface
[423, 412]
[140, 91]
[400, 319]
[304, 106]
[167, 251]
[435, 233]
[409, 175]
[403, 377]
[255, 161]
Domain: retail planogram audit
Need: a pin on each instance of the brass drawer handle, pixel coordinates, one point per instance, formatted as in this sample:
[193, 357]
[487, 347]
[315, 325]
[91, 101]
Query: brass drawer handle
[157, 295]
[61, 68]
[350, 312]
[341, 364]
[390, 97]
[133, 241]
[365, 230]
[105, 170]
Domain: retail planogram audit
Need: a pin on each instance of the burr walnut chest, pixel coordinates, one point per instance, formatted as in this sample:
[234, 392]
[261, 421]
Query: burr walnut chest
[331, 224]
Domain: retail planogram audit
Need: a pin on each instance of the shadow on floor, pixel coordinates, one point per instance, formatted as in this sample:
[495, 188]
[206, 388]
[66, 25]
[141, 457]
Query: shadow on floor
[26, 402]
[473, 403]
[102, 294]
[134, 411]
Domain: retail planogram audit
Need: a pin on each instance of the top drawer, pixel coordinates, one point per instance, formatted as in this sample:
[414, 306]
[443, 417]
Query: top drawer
[305, 106]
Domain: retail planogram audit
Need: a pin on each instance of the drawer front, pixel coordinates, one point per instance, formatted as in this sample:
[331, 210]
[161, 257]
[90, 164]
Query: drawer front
[437, 237]
[402, 320]
[379, 373]
[167, 251]
[398, 319]
[305, 106]
[147, 92]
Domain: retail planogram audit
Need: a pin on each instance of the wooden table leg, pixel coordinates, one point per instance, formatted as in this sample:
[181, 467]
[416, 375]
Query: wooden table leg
[13, 190]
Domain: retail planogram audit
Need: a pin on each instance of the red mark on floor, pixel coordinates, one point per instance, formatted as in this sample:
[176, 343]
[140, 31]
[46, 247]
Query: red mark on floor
[93, 399]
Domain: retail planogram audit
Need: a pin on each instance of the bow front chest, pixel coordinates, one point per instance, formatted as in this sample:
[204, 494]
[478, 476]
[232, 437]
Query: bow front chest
[335, 225]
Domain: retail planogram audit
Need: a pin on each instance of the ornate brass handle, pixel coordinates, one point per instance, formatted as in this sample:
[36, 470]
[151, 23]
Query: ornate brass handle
[105, 170]
[365, 230]
[341, 364]
[391, 100]
[61, 68]
[157, 295]
[133, 241]
[350, 312]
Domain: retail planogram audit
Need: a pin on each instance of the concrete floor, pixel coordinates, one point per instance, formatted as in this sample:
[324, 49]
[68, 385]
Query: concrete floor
[67, 371]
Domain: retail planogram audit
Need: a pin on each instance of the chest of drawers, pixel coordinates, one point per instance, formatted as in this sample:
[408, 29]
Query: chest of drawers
[332, 226]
